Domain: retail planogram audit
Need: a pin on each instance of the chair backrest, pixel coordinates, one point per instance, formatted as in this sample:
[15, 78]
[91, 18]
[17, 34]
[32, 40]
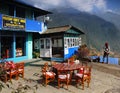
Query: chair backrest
[85, 69]
[10, 64]
[64, 77]
[46, 66]
[67, 74]
[53, 63]
[47, 75]
[43, 70]
[81, 70]
[20, 65]
[71, 59]
[83, 75]
[61, 72]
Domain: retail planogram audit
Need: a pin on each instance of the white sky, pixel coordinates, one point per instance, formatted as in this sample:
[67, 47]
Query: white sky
[82, 5]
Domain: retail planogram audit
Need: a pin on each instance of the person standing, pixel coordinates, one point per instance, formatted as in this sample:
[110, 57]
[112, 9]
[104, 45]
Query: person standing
[106, 52]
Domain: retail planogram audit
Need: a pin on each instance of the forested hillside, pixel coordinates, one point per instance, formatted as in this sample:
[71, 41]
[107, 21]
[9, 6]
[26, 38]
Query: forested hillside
[97, 30]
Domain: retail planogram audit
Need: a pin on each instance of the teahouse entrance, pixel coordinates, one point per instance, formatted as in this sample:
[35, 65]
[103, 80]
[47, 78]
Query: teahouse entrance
[51, 47]
[45, 47]
[60, 43]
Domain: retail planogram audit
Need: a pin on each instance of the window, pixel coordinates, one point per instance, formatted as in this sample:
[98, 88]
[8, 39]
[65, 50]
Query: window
[20, 12]
[73, 41]
[20, 46]
[36, 44]
[68, 42]
[12, 47]
[76, 44]
[65, 43]
[11, 10]
[80, 41]
[47, 43]
[42, 44]
[59, 42]
[3, 8]
[6, 46]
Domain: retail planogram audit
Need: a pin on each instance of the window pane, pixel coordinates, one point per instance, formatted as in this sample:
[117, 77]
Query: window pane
[6, 47]
[68, 42]
[36, 44]
[47, 43]
[20, 46]
[11, 10]
[20, 12]
[60, 42]
[42, 44]
[73, 41]
[76, 44]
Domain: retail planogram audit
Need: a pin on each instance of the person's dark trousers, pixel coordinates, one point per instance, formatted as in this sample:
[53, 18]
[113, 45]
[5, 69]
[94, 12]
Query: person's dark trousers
[106, 58]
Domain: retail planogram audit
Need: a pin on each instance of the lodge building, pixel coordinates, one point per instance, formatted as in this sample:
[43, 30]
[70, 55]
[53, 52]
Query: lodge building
[18, 22]
[22, 34]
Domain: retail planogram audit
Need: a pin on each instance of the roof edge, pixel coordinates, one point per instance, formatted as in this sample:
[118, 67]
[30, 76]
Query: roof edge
[25, 5]
[70, 26]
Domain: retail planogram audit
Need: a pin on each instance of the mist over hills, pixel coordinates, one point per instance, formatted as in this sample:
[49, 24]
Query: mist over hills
[97, 30]
[111, 17]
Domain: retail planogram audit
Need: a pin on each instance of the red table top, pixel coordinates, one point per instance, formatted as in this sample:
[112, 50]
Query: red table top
[66, 66]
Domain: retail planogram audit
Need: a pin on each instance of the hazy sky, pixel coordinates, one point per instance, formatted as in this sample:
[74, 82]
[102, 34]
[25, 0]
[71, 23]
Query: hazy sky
[82, 5]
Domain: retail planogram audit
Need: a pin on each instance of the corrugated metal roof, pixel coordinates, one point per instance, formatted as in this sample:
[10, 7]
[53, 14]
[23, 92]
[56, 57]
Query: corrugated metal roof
[61, 29]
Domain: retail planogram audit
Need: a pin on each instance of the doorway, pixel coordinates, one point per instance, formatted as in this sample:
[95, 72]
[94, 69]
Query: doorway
[57, 47]
[51, 47]
[45, 47]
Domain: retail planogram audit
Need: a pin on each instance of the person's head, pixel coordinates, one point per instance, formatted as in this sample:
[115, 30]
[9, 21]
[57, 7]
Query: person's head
[106, 44]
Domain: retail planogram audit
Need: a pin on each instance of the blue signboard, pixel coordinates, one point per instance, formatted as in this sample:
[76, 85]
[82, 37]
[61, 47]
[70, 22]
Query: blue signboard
[33, 26]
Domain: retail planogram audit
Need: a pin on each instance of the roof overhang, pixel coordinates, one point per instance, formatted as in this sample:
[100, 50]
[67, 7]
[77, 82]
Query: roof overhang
[62, 29]
[37, 11]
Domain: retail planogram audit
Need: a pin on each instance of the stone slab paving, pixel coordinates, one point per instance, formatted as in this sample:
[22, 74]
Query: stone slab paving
[101, 82]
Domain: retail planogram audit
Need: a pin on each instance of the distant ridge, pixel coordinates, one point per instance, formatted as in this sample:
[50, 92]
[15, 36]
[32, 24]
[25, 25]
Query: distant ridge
[97, 30]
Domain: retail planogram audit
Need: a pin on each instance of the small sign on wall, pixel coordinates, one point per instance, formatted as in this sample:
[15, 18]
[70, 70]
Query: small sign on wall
[13, 23]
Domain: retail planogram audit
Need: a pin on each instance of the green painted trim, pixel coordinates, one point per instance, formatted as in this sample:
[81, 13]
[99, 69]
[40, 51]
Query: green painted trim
[71, 31]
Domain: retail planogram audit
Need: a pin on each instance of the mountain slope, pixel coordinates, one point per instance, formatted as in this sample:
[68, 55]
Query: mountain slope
[111, 17]
[97, 30]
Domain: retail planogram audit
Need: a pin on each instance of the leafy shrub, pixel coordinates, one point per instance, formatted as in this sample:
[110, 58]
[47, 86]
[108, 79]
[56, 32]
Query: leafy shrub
[83, 51]
[36, 54]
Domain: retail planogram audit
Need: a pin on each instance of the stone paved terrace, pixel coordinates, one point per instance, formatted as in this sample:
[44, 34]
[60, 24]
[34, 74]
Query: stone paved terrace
[102, 81]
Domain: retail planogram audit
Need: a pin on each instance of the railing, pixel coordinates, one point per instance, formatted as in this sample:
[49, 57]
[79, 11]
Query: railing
[111, 60]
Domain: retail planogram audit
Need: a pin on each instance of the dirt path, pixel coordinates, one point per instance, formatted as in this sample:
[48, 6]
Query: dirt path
[107, 68]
